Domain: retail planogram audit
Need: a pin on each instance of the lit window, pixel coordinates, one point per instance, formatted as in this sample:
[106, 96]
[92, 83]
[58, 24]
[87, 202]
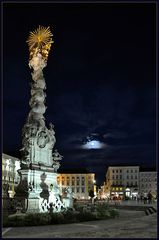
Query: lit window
[121, 188]
[117, 188]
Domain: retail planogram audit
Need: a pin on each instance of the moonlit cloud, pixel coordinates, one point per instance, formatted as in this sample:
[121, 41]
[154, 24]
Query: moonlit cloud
[94, 144]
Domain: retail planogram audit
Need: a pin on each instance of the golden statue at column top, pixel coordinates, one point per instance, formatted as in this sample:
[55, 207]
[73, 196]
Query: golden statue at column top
[40, 40]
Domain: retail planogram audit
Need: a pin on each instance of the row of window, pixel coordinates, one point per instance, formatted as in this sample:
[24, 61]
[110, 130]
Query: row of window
[74, 178]
[132, 177]
[148, 184]
[120, 170]
[148, 174]
[68, 183]
[120, 177]
[117, 189]
[9, 178]
[120, 183]
[77, 190]
[148, 180]
[117, 177]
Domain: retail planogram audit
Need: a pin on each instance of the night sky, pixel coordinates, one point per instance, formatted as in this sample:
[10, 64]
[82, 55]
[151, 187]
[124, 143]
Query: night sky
[100, 76]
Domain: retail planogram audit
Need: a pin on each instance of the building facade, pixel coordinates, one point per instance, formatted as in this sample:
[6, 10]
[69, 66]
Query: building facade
[148, 182]
[79, 183]
[122, 181]
[10, 176]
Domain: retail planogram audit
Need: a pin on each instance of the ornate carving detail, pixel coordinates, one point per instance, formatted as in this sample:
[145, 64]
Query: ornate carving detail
[56, 158]
[42, 139]
[51, 136]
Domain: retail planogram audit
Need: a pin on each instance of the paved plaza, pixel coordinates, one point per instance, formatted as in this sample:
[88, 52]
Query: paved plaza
[130, 224]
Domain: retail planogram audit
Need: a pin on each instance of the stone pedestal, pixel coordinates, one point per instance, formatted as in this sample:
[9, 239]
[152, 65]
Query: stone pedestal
[43, 190]
[32, 204]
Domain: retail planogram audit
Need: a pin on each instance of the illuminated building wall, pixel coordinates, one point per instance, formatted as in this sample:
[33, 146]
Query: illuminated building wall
[80, 183]
[120, 179]
[10, 176]
[148, 182]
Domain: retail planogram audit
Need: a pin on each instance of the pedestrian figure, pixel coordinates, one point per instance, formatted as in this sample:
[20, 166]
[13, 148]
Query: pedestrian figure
[115, 198]
[145, 198]
[141, 197]
[149, 197]
[119, 200]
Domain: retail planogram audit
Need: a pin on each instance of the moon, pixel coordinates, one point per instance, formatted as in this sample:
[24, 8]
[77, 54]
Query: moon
[94, 144]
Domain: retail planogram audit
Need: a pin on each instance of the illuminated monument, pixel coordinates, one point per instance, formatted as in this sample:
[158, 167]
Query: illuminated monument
[39, 162]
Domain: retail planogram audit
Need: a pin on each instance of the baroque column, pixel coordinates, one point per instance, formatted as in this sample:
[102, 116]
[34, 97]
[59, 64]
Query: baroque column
[39, 162]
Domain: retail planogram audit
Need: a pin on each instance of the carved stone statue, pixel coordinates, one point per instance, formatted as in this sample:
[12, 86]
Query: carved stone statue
[52, 135]
[42, 139]
[56, 156]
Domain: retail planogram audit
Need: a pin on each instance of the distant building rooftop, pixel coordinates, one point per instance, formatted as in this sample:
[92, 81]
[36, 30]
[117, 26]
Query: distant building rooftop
[6, 156]
[69, 170]
[150, 169]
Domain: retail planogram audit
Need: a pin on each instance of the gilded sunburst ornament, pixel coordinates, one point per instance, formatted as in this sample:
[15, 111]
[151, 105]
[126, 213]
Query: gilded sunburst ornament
[40, 40]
